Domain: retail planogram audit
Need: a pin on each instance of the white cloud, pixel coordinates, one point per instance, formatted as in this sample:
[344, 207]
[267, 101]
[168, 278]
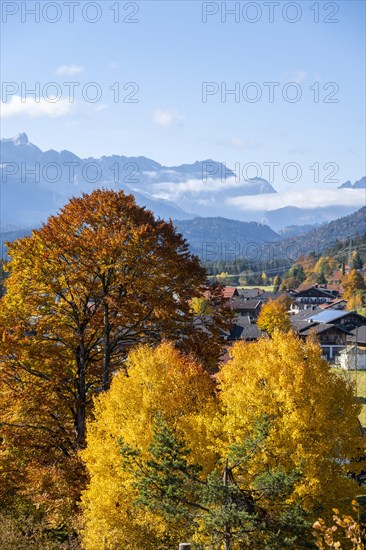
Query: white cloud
[202, 192]
[69, 69]
[35, 109]
[173, 191]
[309, 198]
[167, 117]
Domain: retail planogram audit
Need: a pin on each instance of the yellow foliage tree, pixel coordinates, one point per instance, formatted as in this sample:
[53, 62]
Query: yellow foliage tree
[274, 316]
[354, 302]
[312, 436]
[159, 381]
[201, 306]
[352, 283]
[264, 278]
[312, 412]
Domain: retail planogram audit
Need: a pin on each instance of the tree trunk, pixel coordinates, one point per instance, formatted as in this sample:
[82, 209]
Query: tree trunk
[80, 416]
[227, 535]
[106, 348]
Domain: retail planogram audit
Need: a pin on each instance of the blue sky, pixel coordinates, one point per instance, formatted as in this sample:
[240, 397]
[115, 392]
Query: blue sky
[168, 53]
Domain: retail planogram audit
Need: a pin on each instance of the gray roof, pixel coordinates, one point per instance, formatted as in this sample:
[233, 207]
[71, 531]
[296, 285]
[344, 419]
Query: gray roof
[301, 324]
[243, 330]
[305, 314]
[266, 296]
[242, 320]
[250, 292]
[246, 304]
[358, 335]
[329, 315]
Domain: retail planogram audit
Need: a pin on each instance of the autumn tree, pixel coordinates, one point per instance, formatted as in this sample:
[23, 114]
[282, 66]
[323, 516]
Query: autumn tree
[357, 303]
[156, 474]
[160, 381]
[276, 283]
[352, 283]
[324, 268]
[201, 306]
[226, 278]
[308, 262]
[273, 315]
[294, 277]
[94, 280]
[253, 464]
[3, 275]
[313, 412]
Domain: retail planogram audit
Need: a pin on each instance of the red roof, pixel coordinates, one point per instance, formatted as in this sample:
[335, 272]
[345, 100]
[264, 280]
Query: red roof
[336, 276]
[227, 292]
[230, 291]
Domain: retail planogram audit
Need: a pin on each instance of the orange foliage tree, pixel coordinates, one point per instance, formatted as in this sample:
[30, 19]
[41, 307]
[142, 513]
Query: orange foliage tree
[95, 279]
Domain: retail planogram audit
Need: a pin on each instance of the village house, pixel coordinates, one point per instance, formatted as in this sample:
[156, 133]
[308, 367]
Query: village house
[334, 328]
[331, 338]
[244, 329]
[336, 277]
[250, 308]
[309, 297]
[358, 337]
[251, 293]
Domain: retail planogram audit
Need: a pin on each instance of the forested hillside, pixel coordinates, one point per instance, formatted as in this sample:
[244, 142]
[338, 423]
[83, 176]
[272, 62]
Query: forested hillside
[223, 234]
[328, 234]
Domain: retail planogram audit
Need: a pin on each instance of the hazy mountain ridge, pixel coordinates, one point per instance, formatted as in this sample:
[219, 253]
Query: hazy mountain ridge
[296, 230]
[359, 184]
[292, 215]
[35, 184]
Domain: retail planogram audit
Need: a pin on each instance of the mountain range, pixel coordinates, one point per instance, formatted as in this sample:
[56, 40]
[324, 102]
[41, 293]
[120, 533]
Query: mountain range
[359, 184]
[36, 183]
[224, 239]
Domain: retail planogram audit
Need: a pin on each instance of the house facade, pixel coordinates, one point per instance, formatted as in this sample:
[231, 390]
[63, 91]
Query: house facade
[313, 296]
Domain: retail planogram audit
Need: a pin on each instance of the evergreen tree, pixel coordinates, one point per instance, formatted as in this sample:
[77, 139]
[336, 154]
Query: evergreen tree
[356, 262]
[216, 508]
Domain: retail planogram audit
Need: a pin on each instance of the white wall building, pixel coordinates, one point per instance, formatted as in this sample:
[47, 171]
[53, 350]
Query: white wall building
[352, 358]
